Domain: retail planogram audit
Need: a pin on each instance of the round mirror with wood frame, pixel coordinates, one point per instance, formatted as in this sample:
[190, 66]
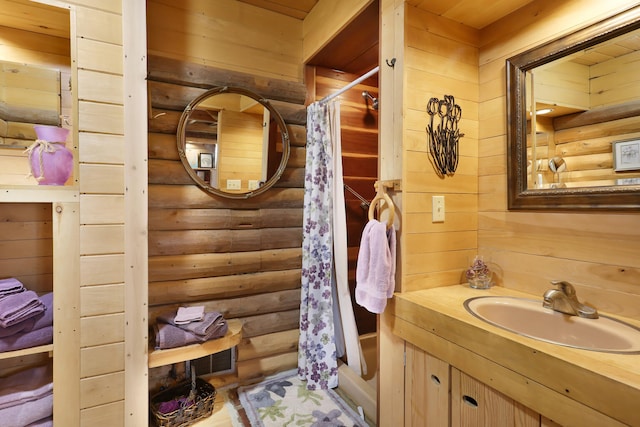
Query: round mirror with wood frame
[233, 142]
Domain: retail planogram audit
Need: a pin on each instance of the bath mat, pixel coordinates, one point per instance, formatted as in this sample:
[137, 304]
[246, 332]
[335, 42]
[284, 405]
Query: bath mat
[283, 400]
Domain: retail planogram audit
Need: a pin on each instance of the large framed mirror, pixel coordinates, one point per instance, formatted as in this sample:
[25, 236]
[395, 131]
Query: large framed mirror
[232, 142]
[573, 120]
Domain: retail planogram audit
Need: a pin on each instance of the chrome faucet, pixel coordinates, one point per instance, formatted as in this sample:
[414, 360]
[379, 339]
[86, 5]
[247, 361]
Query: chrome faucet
[564, 300]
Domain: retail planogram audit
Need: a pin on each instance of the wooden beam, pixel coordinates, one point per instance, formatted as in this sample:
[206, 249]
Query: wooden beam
[598, 115]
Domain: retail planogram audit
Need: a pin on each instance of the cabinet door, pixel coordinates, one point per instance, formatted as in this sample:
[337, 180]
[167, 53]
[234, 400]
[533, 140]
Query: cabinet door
[476, 404]
[426, 389]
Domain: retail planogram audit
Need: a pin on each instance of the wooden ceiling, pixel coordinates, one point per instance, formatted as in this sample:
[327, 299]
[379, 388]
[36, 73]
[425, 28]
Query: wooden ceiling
[355, 49]
[474, 13]
[35, 17]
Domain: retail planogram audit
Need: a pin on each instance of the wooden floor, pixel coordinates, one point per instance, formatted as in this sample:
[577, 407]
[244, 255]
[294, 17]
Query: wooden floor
[227, 412]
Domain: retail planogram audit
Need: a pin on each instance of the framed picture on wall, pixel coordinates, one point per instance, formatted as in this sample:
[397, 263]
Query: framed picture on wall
[626, 155]
[205, 160]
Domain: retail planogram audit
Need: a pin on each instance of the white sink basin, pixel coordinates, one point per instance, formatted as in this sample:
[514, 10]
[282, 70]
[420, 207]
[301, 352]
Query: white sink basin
[528, 317]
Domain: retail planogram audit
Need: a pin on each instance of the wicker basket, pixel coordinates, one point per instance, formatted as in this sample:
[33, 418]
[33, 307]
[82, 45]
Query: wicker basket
[201, 392]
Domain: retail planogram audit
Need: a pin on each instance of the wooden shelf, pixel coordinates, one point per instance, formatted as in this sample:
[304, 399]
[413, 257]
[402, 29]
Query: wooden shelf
[27, 351]
[195, 351]
[39, 194]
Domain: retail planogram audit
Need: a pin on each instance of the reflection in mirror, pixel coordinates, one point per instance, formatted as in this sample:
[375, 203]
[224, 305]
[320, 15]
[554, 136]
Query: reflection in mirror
[592, 80]
[29, 95]
[570, 102]
[232, 142]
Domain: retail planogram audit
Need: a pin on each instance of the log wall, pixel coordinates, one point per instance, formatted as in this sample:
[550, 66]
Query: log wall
[242, 257]
[239, 257]
[93, 39]
[587, 147]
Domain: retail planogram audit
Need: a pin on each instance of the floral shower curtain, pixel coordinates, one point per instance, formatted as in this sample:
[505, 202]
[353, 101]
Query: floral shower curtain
[324, 279]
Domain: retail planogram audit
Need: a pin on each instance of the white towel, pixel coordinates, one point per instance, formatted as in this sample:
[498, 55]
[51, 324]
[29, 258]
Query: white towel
[376, 267]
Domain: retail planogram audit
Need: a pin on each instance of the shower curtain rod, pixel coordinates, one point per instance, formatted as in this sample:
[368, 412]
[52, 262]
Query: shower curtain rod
[350, 85]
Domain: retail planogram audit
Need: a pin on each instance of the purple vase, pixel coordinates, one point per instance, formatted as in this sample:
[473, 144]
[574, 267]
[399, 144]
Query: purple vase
[51, 161]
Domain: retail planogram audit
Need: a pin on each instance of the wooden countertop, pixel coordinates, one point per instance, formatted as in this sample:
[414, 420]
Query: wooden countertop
[570, 386]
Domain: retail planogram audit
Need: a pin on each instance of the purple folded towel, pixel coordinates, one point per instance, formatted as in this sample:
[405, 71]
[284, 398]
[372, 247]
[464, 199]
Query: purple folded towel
[45, 318]
[45, 422]
[10, 286]
[36, 322]
[26, 413]
[212, 326]
[25, 386]
[169, 336]
[15, 308]
[29, 339]
[24, 326]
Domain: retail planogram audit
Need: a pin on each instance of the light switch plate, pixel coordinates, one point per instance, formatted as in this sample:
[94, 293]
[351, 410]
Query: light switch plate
[438, 209]
[233, 184]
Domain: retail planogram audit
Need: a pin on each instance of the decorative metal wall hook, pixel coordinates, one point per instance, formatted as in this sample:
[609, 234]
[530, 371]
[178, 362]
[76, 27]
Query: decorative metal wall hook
[391, 63]
[444, 138]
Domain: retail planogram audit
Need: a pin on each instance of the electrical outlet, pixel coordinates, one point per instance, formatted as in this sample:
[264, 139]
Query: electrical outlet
[254, 184]
[233, 184]
[437, 214]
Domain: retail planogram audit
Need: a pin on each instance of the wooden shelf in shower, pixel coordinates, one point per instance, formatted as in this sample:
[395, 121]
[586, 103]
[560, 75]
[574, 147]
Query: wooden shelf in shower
[196, 351]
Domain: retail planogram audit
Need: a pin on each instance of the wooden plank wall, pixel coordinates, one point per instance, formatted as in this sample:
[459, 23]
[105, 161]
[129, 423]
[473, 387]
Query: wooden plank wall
[26, 248]
[616, 81]
[239, 257]
[240, 144]
[26, 253]
[441, 58]
[566, 84]
[597, 252]
[96, 46]
[359, 133]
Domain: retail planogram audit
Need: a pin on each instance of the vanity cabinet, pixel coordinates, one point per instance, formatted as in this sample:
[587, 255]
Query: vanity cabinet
[427, 389]
[570, 386]
[438, 394]
[476, 404]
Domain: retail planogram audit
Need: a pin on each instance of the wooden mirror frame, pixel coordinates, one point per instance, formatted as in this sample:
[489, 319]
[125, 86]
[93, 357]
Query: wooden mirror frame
[519, 197]
[181, 142]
